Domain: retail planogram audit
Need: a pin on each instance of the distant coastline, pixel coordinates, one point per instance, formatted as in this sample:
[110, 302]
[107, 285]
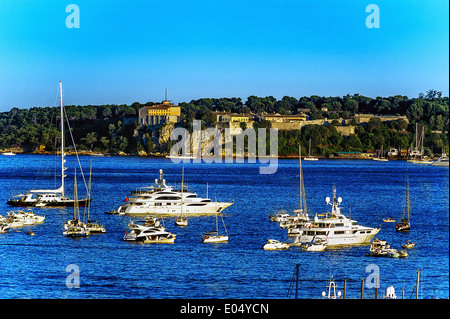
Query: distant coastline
[361, 156]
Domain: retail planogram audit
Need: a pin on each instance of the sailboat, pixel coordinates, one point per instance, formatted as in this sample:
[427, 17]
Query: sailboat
[182, 221]
[75, 227]
[92, 225]
[421, 159]
[213, 236]
[309, 157]
[414, 153]
[49, 197]
[301, 218]
[404, 224]
[380, 156]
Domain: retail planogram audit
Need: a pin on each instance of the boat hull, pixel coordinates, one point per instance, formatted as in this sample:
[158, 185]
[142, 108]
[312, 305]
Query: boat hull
[275, 247]
[171, 210]
[215, 239]
[64, 203]
[169, 240]
[342, 240]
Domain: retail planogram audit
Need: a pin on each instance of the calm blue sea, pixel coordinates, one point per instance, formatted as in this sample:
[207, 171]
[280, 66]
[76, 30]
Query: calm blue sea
[35, 266]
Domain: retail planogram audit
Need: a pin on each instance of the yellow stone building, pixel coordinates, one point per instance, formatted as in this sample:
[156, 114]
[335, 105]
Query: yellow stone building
[159, 114]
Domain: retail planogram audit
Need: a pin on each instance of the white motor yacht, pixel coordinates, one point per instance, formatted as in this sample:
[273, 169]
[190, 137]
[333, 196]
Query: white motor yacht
[336, 228]
[165, 200]
[94, 227]
[149, 234]
[273, 244]
[28, 217]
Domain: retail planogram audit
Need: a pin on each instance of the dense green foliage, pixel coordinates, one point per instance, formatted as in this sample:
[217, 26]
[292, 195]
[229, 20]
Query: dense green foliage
[114, 128]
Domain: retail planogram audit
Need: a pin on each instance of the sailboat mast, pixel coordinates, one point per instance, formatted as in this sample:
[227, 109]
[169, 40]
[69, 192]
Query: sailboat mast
[75, 196]
[417, 144]
[301, 195]
[407, 193]
[310, 147]
[182, 191]
[300, 206]
[89, 193]
[62, 138]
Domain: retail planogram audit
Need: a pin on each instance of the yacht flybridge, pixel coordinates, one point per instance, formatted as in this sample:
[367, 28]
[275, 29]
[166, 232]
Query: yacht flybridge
[49, 197]
[165, 200]
[335, 228]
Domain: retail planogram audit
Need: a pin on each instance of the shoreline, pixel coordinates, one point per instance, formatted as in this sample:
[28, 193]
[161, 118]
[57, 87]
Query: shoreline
[281, 157]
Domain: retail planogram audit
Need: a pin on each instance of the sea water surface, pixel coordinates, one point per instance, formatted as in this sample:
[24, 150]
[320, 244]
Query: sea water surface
[35, 266]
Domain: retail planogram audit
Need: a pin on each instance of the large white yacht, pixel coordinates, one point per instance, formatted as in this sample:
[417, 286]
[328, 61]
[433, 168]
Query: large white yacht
[335, 228]
[165, 200]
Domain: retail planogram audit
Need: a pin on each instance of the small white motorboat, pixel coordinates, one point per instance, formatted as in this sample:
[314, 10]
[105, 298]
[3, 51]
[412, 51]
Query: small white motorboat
[28, 217]
[409, 245]
[94, 227]
[181, 221]
[317, 245]
[4, 227]
[273, 244]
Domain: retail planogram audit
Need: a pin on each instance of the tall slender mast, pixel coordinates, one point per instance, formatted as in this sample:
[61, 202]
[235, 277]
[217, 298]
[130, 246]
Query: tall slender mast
[407, 193]
[76, 213]
[62, 139]
[417, 144]
[301, 185]
[182, 191]
[300, 177]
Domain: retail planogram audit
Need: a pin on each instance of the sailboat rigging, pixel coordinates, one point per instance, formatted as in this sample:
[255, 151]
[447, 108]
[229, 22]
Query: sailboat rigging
[75, 227]
[50, 197]
[182, 221]
[213, 236]
[404, 224]
[310, 157]
[92, 225]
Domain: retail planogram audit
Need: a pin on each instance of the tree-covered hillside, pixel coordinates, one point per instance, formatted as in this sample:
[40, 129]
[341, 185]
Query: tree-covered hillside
[113, 128]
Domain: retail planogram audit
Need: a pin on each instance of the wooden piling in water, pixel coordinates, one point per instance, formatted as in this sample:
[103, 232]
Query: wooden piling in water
[345, 288]
[362, 288]
[417, 284]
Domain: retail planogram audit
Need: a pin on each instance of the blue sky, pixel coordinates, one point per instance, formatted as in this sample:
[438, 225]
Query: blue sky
[127, 51]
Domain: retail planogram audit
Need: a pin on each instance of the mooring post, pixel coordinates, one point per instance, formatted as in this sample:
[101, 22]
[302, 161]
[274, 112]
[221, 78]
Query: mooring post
[417, 284]
[362, 288]
[376, 288]
[296, 280]
[345, 288]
